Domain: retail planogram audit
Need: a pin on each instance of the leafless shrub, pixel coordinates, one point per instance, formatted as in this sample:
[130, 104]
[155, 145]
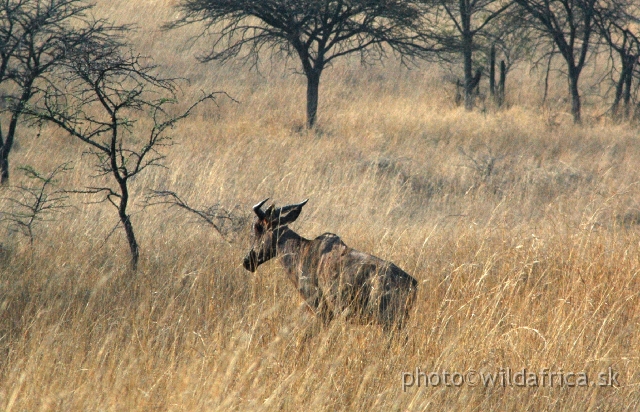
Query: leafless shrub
[36, 202]
[422, 183]
[483, 163]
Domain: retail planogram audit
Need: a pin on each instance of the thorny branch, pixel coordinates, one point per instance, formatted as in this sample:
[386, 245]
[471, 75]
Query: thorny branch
[224, 221]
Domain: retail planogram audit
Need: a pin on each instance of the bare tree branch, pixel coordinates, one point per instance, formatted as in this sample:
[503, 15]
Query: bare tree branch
[221, 219]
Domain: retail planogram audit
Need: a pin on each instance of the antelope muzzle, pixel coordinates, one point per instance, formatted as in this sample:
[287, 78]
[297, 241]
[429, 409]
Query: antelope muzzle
[250, 261]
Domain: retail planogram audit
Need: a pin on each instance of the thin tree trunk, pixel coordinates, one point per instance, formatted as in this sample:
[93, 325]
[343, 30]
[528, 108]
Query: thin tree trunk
[627, 84]
[131, 239]
[7, 143]
[468, 74]
[467, 53]
[623, 86]
[128, 227]
[313, 84]
[4, 164]
[618, 94]
[5, 149]
[468, 78]
[502, 82]
[546, 76]
[492, 71]
[575, 96]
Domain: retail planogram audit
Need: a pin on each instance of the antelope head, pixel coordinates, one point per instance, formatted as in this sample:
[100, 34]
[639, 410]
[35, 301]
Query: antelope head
[266, 231]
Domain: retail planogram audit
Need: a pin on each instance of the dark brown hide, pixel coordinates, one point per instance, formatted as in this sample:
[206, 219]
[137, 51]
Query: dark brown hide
[333, 278]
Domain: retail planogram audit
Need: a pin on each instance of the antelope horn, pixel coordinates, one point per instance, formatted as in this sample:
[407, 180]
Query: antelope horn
[259, 211]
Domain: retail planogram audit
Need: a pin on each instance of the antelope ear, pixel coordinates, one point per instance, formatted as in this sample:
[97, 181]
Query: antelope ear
[292, 212]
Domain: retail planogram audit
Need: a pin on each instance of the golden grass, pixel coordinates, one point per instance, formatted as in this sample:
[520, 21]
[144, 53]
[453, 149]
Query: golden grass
[534, 266]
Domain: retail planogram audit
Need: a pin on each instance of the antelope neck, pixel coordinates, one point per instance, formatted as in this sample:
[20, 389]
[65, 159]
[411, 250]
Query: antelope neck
[290, 249]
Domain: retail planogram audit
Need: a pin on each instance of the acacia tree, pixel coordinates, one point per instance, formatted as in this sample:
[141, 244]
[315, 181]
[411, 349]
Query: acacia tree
[616, 22]
[570, 24]
[112, 101]
[315, 31]
[35, 36]
[455, 24]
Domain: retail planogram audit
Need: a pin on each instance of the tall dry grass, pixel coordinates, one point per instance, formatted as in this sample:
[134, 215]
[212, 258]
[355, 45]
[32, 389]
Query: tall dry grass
[531, 265]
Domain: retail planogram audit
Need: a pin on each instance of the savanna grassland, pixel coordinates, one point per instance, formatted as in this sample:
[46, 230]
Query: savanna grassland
[522, 230]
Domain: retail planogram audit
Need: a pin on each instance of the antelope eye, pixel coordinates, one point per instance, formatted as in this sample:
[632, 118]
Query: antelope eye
[257, 227]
